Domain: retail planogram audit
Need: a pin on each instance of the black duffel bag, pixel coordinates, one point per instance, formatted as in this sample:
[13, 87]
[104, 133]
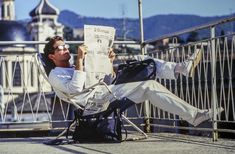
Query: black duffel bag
[134, 71]
[98, 128]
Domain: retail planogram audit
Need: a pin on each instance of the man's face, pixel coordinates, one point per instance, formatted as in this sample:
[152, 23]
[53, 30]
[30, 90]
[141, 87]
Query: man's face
[61, 52]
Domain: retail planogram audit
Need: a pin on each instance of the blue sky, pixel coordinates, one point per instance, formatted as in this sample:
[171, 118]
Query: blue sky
[114, 8]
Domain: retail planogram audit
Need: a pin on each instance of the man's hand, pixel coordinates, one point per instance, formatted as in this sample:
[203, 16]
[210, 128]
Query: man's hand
[112, 55]
[82, 50]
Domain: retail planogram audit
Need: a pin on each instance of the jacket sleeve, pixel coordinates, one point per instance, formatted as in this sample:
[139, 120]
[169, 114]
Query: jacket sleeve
[66, 83]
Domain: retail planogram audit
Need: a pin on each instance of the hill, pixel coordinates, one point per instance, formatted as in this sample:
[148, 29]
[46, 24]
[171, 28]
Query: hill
[154, 26]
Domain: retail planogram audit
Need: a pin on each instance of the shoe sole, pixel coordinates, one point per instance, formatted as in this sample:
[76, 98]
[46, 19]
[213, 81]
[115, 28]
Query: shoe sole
[195, 63]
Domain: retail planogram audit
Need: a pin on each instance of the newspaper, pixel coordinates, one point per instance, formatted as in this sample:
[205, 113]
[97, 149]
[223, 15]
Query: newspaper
[98, 39]
[98, 101]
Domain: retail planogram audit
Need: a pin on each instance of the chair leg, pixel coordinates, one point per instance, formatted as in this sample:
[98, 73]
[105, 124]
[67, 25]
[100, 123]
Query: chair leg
[136, 128]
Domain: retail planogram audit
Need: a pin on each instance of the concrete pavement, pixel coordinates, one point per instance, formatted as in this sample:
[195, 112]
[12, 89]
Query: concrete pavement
[156, 143]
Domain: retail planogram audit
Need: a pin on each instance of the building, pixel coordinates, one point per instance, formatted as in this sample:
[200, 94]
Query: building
[44, 23]
[18, 70]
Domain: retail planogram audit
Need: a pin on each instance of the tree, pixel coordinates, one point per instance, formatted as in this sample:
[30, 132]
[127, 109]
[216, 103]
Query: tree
[68, 33]
[193, 36]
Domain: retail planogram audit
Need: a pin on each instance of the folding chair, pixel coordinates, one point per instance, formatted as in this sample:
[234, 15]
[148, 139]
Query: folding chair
[123, 104]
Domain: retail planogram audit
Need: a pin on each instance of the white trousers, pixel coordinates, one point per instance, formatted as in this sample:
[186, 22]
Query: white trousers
[158, 95]
[164, 69]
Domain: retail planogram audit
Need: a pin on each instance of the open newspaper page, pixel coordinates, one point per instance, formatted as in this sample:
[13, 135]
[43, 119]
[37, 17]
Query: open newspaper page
[98, 39]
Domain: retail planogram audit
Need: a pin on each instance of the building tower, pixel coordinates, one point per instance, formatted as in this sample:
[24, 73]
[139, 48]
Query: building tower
[44, 22]
[8, 10]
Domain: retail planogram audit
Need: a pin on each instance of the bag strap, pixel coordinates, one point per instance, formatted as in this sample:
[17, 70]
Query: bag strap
[58, 142]
[77, 116]
[149, 61]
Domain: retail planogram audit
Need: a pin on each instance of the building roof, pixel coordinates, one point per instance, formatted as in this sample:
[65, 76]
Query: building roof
[13, 31]
[44, 7]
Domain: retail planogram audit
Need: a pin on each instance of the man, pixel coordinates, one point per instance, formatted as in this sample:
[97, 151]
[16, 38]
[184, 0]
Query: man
[67, 80]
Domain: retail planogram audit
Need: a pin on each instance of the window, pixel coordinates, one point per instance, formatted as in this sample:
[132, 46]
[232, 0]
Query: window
[8, 11]
[16, 74]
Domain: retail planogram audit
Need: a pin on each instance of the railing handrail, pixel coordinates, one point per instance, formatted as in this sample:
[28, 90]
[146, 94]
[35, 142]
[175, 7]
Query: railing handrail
[188, 30]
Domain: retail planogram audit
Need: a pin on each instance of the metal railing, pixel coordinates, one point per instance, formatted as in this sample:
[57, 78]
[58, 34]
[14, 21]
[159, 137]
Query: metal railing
[213, 83]
[29, 99]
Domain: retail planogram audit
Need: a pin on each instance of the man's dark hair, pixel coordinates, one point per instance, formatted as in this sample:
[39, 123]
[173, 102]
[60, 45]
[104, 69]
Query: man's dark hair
[49, 49]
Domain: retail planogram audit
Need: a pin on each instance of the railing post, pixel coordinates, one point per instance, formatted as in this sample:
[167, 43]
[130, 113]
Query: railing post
[214, 95]
[141, 27]
[142, 48]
